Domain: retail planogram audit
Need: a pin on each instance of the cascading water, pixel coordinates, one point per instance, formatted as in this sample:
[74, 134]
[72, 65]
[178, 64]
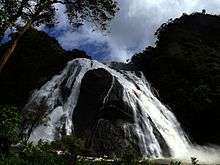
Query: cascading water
[154, 125]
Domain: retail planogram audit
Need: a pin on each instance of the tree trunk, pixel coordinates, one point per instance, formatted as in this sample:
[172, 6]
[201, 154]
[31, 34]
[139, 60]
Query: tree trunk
[9, 51]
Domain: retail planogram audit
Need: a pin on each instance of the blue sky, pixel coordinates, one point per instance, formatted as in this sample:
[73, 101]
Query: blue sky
[80, 39]
[131, 30]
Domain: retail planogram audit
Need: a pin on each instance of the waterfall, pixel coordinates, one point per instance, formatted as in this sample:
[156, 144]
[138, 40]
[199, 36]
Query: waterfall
[153, 115]
[155, 126]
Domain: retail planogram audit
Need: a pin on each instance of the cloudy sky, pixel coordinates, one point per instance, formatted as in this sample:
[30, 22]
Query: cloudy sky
[131, 30]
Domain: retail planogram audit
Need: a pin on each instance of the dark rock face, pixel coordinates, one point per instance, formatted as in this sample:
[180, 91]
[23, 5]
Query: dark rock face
[108, 138]
[94, 88]
[184, 68]
[36, 60]
[101, 112]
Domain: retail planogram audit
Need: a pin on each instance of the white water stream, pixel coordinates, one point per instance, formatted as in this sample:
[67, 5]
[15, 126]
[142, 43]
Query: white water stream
[149, 112]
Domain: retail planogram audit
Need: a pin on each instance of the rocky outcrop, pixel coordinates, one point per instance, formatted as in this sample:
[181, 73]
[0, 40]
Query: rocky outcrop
[101, 112]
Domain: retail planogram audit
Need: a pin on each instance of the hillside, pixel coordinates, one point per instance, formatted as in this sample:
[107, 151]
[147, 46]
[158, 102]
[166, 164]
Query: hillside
[36, 59]
[184, 68]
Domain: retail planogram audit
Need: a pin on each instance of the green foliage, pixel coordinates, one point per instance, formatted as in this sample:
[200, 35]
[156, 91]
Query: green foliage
[60, 152]
[2, 21]
[42, 153]
[9, 127]
[70, 146]
[37, 12]
[32, 154]
[98, 12]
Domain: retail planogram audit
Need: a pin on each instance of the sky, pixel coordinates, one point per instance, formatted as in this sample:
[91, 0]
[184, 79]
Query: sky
[131, 30]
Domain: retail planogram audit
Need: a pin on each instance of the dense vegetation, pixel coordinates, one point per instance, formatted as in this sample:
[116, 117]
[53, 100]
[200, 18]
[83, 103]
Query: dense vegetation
[36, 59]
[184, 68]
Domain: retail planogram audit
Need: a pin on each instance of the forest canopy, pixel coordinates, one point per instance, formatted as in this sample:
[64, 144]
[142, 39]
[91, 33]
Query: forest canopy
[23, 14]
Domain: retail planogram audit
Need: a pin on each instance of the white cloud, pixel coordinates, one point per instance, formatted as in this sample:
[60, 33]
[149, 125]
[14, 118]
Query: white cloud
[134, 27]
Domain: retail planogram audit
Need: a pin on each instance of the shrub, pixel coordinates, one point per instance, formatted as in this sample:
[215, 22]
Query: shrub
[9, 127]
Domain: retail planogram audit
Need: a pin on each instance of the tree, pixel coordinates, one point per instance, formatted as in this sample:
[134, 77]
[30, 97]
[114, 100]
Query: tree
[131, 154]
[71, 147]
[23, 14]
[9, 127]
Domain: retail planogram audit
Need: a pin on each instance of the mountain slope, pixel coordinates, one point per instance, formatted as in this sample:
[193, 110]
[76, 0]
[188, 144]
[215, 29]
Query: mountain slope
[36, 59]
[184, 67]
